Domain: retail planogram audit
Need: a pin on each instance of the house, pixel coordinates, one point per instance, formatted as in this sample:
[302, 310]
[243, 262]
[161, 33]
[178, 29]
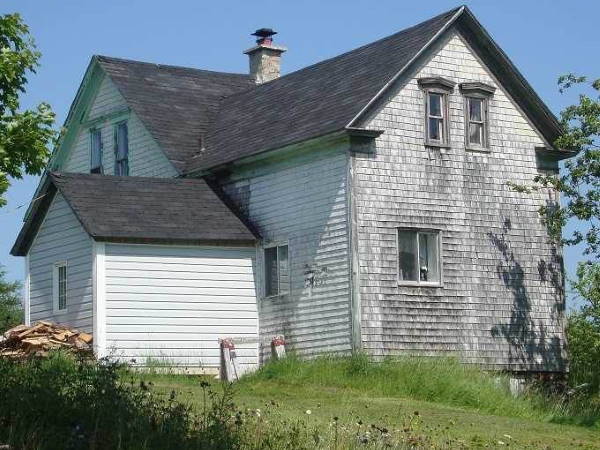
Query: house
[359, 204]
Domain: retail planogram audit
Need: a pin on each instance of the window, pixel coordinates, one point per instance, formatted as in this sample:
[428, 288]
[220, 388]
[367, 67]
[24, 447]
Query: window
[121, 150]
[476, 122]
[436, 90]
[477, 97]
[435, 117]
[59, 287]
[96, 151]
[419, 256]
[277, 278]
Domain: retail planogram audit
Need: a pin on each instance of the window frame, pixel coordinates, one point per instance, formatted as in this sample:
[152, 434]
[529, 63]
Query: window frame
[440, 262]
[264, 271]
[56, 287]
[100, 168]
[117, 161]
[443, 87]
[480, 91]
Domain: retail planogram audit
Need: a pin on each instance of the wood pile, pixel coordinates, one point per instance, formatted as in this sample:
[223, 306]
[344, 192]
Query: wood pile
[23, 341]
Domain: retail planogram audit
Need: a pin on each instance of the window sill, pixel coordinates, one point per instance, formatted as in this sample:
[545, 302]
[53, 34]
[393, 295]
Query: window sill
[478, 150]
[58, 312]
[420, 284]
[275, 297]
[437, 145]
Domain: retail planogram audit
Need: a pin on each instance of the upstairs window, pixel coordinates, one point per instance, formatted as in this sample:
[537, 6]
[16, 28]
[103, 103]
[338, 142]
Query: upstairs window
[476, 122]
[95, 151]
[419, 260]
[436, 91]
[121, 150]
[477, 98]
[59, 287]
[277, 277]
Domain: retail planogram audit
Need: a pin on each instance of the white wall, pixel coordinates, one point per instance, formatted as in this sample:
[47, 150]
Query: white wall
[172, 304]
[61, 238]
[146, 159]
[301, 201]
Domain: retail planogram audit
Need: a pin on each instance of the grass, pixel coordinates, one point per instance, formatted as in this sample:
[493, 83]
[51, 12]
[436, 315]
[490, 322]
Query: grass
[437, 402]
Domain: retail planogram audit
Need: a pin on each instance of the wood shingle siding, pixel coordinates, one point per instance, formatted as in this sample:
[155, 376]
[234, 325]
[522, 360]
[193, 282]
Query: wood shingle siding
[146, 159]
[502, 303]
[171, 304]
[301, 201]
[61, 239]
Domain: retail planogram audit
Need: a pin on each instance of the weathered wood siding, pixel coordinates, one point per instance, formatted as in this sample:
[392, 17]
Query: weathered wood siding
[301, 200]
[171, 304]
[146, 159]
[501, 304]
[61, 238]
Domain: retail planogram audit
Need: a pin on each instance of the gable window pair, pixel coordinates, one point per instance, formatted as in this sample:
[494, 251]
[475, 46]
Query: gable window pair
[437, 114]
[121, 150]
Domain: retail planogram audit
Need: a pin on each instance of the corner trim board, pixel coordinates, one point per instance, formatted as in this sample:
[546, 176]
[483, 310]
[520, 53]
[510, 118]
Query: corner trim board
[99, 298]
[27, 294]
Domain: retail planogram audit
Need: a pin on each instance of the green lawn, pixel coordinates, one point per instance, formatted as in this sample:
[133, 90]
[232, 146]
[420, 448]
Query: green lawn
[311, 395]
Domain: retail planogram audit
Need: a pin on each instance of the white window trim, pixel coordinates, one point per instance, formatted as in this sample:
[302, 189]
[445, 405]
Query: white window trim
[419, 283]
[264, 268]
[55, 288]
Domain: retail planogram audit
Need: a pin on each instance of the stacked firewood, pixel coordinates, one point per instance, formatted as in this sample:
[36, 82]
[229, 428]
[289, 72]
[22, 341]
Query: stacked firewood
[38, 340]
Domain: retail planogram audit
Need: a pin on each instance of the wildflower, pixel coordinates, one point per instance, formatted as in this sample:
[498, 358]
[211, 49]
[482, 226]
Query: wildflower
[309, 412]
[501, 443]
[507, 436]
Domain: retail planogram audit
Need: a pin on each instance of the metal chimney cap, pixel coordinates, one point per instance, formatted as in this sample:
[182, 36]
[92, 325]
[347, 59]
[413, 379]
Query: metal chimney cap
[264, 33]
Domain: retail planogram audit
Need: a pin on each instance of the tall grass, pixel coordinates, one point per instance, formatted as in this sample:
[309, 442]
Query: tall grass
[440, 380]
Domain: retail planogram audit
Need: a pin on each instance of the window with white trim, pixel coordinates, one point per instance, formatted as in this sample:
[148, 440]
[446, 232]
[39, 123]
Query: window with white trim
[277, 277]
[121, 149]
[95, 150]
[59, 286]
[419, 256]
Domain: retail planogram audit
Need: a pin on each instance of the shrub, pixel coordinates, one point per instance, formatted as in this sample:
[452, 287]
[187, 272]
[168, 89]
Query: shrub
[63, 403]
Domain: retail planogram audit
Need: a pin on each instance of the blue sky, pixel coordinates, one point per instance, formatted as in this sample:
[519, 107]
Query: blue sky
[543, 38]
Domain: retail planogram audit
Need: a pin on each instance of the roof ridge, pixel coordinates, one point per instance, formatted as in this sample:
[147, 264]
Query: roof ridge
[171, 66]
[450, 13]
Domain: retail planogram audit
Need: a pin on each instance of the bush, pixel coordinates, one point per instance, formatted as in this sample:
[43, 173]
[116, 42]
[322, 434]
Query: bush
[11, 313]
[63, 403]
[584, 347]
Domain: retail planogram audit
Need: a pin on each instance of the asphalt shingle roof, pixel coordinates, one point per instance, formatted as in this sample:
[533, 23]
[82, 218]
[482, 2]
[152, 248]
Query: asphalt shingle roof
[176, 104]
[313, 101]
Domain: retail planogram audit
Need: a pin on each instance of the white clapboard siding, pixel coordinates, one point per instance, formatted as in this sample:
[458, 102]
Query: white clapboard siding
[493, 241]
[61, 238]
[145, 156]
[302, 201]
[172, 304]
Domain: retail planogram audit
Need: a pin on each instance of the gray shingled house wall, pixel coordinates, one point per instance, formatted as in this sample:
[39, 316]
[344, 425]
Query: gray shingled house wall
[502, 301]
[301, 201]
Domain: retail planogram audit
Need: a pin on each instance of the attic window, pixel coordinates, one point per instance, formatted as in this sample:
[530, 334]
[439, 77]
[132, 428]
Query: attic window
[95, 151]
[476, 96]
[436, 90]
[121, 149]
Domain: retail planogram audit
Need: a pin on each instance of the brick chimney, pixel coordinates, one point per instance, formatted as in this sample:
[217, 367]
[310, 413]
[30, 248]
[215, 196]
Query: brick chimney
[265, 58]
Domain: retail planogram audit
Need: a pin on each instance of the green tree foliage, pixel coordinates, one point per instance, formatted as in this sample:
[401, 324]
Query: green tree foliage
[25, 136]
[10, 303]
[579, 186]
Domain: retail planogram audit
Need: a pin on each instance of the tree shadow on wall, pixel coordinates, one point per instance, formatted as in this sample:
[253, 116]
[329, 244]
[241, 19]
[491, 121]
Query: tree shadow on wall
[531, 345]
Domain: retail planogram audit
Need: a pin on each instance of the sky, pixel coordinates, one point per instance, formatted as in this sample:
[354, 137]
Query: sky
[543, 38]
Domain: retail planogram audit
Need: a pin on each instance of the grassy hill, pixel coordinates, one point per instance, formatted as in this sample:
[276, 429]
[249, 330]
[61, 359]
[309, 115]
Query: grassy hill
[435, 403]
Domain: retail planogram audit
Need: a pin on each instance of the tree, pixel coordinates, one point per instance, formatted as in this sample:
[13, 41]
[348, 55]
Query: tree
[25, 136]
[579, 186]
[11, 313]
